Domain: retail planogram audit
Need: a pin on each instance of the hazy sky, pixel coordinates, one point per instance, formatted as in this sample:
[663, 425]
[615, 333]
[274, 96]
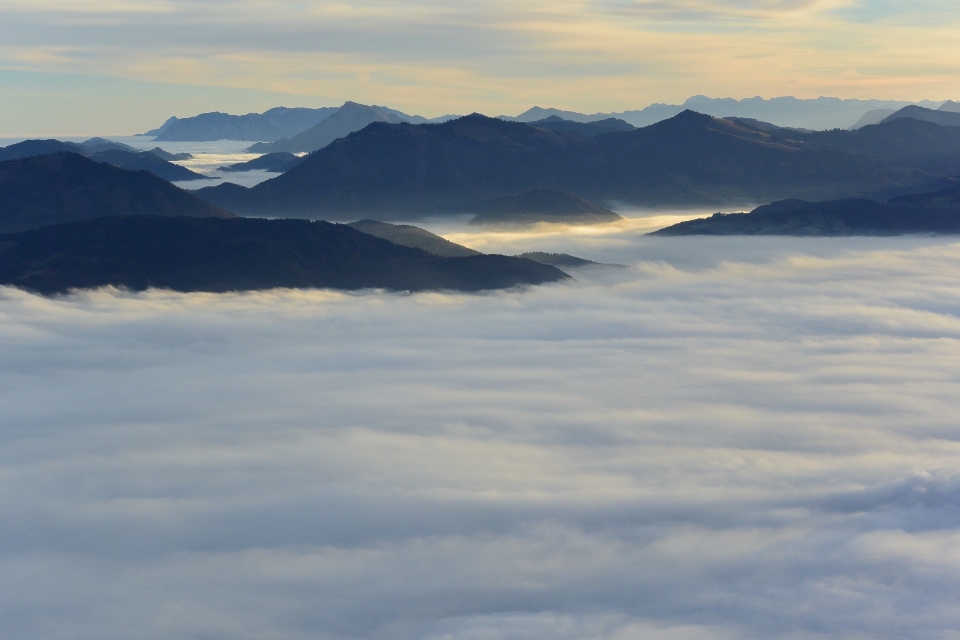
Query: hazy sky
[688, 449]
[121, 66]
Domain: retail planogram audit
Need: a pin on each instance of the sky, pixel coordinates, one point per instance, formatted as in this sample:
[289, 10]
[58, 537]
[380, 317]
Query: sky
[730, 438]
[72, 67]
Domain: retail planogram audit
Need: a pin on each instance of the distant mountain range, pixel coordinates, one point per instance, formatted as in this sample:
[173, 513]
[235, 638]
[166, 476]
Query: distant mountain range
[117, 154]
[285, 124]
[50, 189]
[929, 212]
[815, 114]
[348, 118]
[394, 171]
[279, 122]
[209, 254]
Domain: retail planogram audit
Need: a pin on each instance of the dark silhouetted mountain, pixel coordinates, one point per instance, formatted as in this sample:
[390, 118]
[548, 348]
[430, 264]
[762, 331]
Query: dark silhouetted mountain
[399, 171]
[541, 205]
[830, 218]
[147, 161]
[274, 162]
[586, 129]
[30, 148]
[50, 189]
[279, 122]
[102, 151]
[562, 260]
[348, 118]
[948, 198]
[170, 157]
[207, 254]
[409, 236]
[943, 118]
[951, 106]
[395, 171]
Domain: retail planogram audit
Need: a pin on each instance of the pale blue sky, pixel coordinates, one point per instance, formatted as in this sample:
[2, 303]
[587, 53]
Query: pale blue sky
[122, 66]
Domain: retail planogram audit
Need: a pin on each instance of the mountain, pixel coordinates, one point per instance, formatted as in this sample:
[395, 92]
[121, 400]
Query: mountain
[170, 157]
[586, 129]
[96, 145]
[208, 254]
[944, 117]
[50, 189]
[29, 148]
[147, 161]
[393, 171]
[409, 236]
[279, 122]
[398, 171]
[541, 205]
[561, 260]
[103, 151]
[950, 105]
[815, 114]
[347, 119]
[277, 162]
[835, 218]
[948, 198]
[875, 116]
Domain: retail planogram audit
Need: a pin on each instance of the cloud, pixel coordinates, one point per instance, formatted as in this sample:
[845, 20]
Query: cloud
[494, 57]
[731, 438]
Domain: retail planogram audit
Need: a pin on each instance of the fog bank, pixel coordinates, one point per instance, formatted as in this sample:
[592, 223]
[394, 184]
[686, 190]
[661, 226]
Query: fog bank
[725, 439]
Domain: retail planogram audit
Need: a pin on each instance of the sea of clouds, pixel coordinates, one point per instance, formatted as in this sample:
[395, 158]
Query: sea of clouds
[727, 438]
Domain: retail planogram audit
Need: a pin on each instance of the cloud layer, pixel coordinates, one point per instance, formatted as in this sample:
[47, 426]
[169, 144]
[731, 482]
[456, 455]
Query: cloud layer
[758, 448]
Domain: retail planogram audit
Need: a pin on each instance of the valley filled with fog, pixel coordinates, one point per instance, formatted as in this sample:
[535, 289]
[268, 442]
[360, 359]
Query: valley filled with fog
[723, 438]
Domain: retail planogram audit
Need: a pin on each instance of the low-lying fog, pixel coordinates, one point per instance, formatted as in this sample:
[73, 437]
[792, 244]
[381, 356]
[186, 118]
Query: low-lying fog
[728, 438]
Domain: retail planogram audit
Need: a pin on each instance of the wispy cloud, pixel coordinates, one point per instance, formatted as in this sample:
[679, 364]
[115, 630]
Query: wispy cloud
[496, 56]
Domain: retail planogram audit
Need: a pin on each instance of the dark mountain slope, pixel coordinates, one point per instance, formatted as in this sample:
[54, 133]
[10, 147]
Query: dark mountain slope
[394, 170]
[586, 129]
[50, 189]
[830, 218]
[147, 161]
[409, 236]
[207, 254]
[729, 162]
[30, 148]
[103, 151]
[397, 171]
[944, 118]
[275, 162]
[904, 142]
[541, 205]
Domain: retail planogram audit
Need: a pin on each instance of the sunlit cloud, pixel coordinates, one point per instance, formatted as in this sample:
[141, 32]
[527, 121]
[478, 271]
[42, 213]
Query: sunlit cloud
[498, 57]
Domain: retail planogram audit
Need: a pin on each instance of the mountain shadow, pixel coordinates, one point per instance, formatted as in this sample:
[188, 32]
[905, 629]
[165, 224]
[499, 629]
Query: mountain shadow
[239, 254]
[50, 189]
